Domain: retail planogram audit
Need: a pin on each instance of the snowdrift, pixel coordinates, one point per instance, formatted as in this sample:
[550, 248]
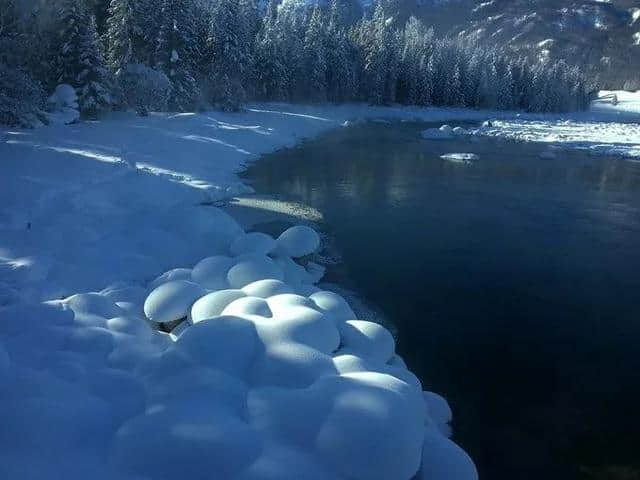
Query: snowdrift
[263, 376]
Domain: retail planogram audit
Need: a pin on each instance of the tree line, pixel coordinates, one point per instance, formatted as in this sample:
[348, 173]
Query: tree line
[185, 55]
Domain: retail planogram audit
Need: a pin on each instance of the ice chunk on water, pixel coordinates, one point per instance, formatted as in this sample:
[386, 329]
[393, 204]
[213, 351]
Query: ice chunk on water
[462, 158]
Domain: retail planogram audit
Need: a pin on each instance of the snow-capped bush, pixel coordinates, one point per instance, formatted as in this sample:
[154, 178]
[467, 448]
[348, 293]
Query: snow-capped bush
[21, 98]
[63, 105]
[144, 88]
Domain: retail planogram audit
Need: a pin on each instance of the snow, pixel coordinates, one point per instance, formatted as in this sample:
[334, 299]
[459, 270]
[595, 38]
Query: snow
[171, 301]
[298, 241]
[462, 158]
[445, 132]
[63, 105]
[268, 378]
[607, 129]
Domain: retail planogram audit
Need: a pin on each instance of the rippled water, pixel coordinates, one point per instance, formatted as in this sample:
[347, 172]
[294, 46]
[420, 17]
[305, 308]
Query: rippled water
[514, 281]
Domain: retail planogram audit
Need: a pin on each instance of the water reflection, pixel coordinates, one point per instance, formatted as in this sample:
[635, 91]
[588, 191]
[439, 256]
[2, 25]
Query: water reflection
[514, 282]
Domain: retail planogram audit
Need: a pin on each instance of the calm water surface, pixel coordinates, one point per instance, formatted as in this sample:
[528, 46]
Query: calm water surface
[514, 283]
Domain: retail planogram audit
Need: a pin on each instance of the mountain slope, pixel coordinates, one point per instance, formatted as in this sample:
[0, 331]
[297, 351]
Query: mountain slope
[602, 36]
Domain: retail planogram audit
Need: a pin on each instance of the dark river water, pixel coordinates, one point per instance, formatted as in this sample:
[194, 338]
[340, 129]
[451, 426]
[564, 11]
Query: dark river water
[514, 283]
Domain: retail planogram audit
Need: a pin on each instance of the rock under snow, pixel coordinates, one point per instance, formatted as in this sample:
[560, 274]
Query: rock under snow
[171, 301]
[267, 288]
[252, 269]
[211, 272]
[334, 305]
[367, 340]
[298, 241]
[444, 460]
[212, 304]
[445, 132]
[254, 242]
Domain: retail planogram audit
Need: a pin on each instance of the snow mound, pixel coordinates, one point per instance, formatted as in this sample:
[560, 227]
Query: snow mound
[255, 242]
[298, 241]
[171, 301]
[212, 304]
[252, 269]
[445, 132]
[63, 105]
[261, 383]
[211, 272]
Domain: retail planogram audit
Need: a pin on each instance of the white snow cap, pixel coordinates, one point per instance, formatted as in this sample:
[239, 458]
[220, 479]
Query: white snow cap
[298, 241]
[445, 132]
[255, 242]
[211, 272]
[171, 301]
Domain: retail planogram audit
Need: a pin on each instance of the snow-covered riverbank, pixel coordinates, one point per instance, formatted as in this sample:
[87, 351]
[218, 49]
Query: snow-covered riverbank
[284, 387]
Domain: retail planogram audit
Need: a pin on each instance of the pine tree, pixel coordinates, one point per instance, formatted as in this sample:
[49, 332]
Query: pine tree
[177, 51]
[21, 96]
[455, 93]
[424, 87]
[120, 26]
[314, 58]
[94, 84]
[80, 63]
[271, 74]
[228, 55]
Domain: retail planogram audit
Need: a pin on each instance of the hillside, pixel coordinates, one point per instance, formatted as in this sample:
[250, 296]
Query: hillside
[603, 36]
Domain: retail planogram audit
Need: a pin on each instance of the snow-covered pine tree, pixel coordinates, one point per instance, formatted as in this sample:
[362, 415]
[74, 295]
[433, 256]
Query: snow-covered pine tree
[455, 92]
[314, 62]
[471, 87]
[341, 69]
[379, 46]
[271, 75]
[80, 63]
[21, 97]
[131, 32]
[118, 38]
[424, 84]
[504, 87]
[176, 52]
[227, 56]
[250, 26]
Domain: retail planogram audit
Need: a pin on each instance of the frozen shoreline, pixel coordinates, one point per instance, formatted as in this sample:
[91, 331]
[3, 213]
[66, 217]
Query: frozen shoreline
[107, 207]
